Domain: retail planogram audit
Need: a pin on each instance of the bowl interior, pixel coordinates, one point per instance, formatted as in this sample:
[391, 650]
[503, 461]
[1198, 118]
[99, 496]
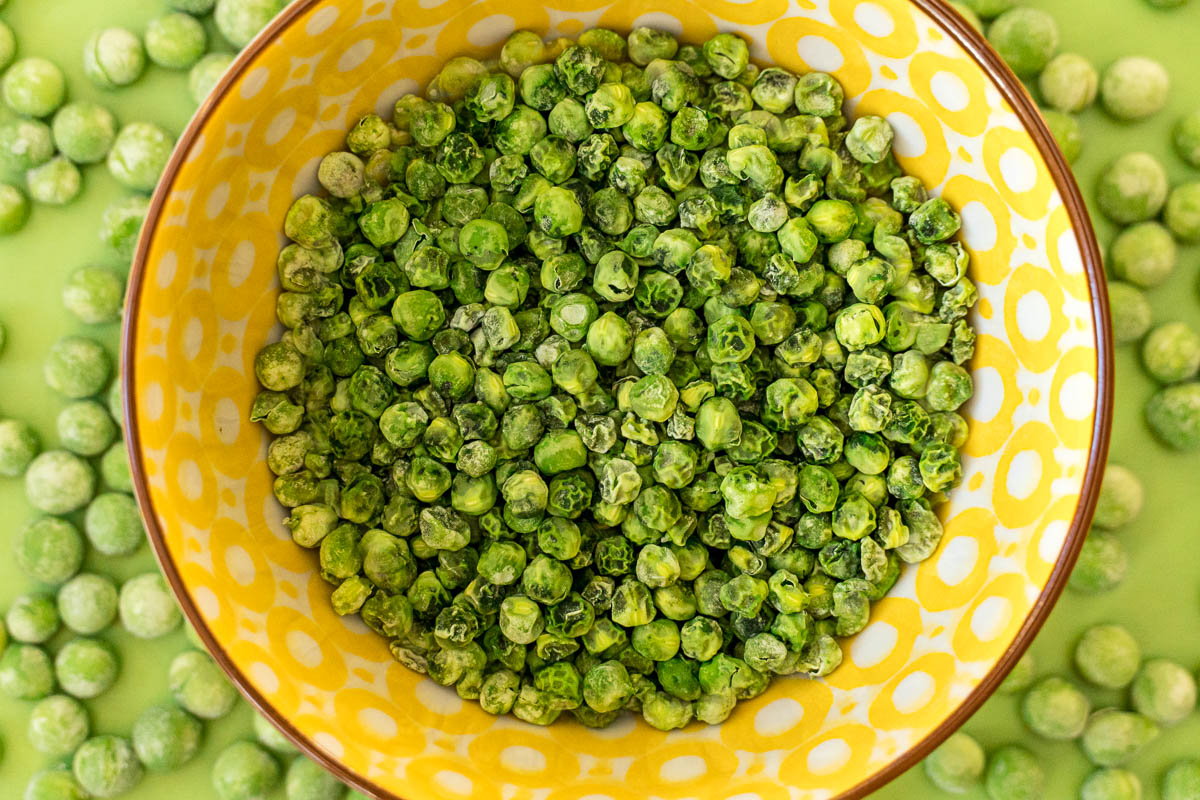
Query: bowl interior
[203, 303]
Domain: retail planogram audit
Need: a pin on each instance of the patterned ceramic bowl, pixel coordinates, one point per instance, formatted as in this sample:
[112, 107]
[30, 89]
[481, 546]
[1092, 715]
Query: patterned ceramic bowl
[202, 302]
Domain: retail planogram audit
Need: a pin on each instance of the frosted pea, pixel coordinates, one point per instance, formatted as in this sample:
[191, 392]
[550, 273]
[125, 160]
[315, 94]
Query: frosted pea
[1108, 656]
[1133, 188]
[1164, 691]
[49, 550]
[14, 205]
[1182, 213]
[1013, 773]
[204, 76]
[19, 445]
[55, 183]
[107, 766]
[1186, 136]
[307, 780]
[94, 294]
[271, 738]
[1020, 677]
[58, 482]
[1134, 88]
[175, 41]
[1026, 38]
[1113, 736]
[55, 783]
[147, 607]
[87, 603]
[86, 668]
[114, 469]
[1174, 415]
[83, 132]
[1182, 780]
[1102, 564]
[194, 7]
[85, 428]
[1111, 784]
[1130, 311]
[166, 737]
[32, 618]
[8, 45]
[114, 525]
[1171, 352]
[121, 224]
[239, 21]
[58, 725]
[1055, 709]
[25, 144]
[139, 155]
[113, 57]
[1144, 254]
[77, 367]
[1067, 133]
[199, 686]
[1069, 83]
[33, 87]
[244, 771]
[1121, 498]
[26, 672]
[956, 766]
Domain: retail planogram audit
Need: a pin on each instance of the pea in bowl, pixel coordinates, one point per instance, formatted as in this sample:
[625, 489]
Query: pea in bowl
[203, 303]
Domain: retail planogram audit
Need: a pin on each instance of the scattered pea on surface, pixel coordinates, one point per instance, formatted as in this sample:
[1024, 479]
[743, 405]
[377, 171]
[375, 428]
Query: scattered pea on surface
[147, 607]
[1102, 564]
[194, 7]
[77, 367]
[106, 766]
[113, 57]
[989, 9]
[14, 205]
[54, 783]
[1133, 188]
[49, 550]
[1134, 88]
[139, 155]
[1144, 254]
[120, 226]
[1121, 498]
[86, 428]
[1182, 213]
[1108, 656]
[32, 618]
[114, 469]
[1173, 413]
[87, 603]
[956, 766]
[199, 686]
[113, 524]
[165, 737]
[1113, 736]
[84, 132]
[175, 41]
[1067, 133]
[55, 183]
[86, 668]
[1182, 780]
[306, 780]
[1026, 38]
[1014, 773]
[244, 770]
[19, 445]
[58, 482]
[94, 294]
[1186, 136]
[1164, 691]
[1055, 709]
[207, 71]
[1130, 310]
[1171, 352]
[25, 144]
[240, 20]
[58, 725]
[1111, 784]
[1020, 677]
[270, 737]
[8, 45]
[33, 87]
[26, 672]
[1069, 83]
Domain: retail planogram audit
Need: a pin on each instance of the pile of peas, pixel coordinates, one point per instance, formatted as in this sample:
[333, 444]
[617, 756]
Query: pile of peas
[1133, 193]
[619, 374]
[54, 646]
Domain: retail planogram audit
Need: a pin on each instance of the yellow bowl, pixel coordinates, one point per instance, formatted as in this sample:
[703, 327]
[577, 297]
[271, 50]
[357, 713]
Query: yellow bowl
[202, 302]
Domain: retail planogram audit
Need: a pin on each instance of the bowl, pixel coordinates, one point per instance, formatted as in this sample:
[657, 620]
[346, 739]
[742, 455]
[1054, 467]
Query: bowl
[202, 302]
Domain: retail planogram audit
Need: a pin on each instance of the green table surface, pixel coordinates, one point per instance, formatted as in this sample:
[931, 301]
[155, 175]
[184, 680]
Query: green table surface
[1159, 601]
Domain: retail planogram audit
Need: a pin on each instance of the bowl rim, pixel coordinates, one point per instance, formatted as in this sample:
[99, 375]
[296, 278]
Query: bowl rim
[1010, 87]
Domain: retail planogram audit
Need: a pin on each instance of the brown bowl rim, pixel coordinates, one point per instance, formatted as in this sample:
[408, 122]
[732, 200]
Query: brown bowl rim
[974, 43]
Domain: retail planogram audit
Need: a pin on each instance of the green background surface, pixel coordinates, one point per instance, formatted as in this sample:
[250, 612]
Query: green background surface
[1159, 601]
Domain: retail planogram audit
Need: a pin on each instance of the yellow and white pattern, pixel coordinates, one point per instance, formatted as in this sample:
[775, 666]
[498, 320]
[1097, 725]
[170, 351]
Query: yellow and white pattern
[207, 304]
